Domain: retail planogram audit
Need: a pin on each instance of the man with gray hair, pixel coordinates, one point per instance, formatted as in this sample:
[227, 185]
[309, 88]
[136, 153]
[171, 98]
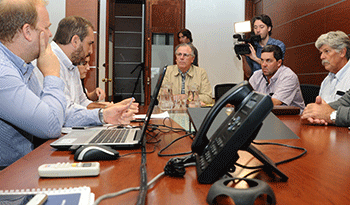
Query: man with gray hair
[184, 73]
[333, 104]
[334, 47]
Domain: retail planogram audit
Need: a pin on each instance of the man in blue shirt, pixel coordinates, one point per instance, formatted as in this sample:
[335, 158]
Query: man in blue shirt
[26, 110]
[262, 26]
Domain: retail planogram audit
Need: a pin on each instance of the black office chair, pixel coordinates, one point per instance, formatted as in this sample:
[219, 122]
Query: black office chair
[309, 92]
[220, 89]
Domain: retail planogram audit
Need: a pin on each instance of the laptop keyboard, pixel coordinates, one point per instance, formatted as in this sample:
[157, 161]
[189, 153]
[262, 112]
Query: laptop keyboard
[111, 136]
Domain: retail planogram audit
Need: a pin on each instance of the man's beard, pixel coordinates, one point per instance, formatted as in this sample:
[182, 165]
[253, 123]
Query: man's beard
[77, 57]
[263, 37]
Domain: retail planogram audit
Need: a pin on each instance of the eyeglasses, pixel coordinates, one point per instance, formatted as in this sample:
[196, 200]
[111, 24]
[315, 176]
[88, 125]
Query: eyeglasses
[186, 55]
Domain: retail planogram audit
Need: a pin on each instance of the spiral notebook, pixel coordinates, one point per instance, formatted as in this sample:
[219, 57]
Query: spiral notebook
[71, 195]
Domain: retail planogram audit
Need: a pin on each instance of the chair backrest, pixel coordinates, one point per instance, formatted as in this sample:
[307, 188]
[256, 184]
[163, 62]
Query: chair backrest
[310, 92]
[220, 89]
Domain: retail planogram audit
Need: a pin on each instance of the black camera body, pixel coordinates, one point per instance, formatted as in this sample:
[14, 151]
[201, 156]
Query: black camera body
[243, 47]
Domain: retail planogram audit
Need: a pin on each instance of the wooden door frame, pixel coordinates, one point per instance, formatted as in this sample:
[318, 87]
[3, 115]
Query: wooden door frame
[148, 51]
[148, 43]
[106, 64]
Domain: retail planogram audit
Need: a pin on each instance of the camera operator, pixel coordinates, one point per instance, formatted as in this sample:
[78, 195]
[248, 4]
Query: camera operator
[262, 26]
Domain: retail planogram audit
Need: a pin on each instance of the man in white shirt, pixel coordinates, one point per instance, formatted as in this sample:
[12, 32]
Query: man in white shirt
[334, 47]
[72, 44]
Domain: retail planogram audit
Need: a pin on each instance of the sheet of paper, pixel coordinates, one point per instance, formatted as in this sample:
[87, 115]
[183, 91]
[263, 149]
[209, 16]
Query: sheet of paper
[154, 116]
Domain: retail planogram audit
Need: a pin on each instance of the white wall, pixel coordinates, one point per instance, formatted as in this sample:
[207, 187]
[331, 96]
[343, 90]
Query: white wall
[57, 11]
[211, 24]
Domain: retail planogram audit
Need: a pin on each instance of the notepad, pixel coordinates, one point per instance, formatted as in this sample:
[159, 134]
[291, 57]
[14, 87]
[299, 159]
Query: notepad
[71, 196]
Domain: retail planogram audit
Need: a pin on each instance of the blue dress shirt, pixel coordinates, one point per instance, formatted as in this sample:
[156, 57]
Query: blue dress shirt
[256, 66]
[26, 110]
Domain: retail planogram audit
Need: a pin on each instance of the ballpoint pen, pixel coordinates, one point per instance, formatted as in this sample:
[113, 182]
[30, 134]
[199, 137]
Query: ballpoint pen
[132, 100]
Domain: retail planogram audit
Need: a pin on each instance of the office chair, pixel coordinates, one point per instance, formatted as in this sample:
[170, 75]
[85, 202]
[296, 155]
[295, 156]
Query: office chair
[220, 89]
[309, 92]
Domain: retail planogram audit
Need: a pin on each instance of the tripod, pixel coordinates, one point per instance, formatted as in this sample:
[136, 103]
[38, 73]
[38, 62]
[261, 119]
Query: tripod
[142, 67]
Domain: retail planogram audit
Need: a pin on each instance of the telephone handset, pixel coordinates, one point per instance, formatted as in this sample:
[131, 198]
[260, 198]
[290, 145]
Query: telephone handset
[235, 96]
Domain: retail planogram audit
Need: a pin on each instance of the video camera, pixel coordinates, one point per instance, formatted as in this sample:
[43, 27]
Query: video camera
[242, 43]
[242, 47]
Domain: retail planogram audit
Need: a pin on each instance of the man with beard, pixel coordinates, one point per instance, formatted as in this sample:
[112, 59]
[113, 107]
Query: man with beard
[277, 80]
[72, 44]
[262, 26]
[334, 48]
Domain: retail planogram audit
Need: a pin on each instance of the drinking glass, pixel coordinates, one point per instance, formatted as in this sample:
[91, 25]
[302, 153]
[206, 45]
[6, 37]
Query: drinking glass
[193, 96]
[166, 97]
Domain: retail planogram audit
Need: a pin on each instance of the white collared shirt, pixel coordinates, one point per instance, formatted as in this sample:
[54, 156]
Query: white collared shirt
[334, 86]
[77, 113]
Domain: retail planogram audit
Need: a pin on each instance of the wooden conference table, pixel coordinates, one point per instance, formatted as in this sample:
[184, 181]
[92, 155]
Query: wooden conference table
[322, 176]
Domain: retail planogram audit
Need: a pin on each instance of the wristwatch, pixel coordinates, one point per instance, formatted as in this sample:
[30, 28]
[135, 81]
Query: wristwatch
[333, 116]
[100, 116]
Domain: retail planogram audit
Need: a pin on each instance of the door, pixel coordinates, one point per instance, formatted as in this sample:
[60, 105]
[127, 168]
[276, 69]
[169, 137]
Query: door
[163, 20]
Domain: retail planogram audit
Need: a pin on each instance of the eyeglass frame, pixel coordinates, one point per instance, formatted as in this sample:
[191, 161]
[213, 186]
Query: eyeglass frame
[186, 55]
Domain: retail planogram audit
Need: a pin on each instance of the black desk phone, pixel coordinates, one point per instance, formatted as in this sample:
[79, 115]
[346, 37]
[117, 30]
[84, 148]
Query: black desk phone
[217, 155]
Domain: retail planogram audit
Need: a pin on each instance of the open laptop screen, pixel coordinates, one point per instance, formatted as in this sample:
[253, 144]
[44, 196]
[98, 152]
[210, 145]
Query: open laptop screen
[153, 100]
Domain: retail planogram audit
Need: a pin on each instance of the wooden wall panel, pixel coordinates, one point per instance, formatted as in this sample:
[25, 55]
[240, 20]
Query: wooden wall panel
[269, 3]
[287, 10]
[89, 10]
[85, 8]
[259, 8]
[295, 59]
[165, 17]
[298, 23]
[300, 31]
[337, 17]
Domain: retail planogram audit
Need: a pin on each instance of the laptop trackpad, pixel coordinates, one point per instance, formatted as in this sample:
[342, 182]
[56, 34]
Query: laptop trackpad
[79, 136]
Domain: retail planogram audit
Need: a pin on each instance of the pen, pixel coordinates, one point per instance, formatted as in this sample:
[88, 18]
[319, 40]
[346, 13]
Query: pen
[132, 99]
[85, 127]
[79, 128]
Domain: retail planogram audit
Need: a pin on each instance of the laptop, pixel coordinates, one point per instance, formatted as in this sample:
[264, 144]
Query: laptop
[116, 138]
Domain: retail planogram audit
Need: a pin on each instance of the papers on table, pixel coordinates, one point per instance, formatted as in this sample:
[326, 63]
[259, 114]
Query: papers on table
[154, 116]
